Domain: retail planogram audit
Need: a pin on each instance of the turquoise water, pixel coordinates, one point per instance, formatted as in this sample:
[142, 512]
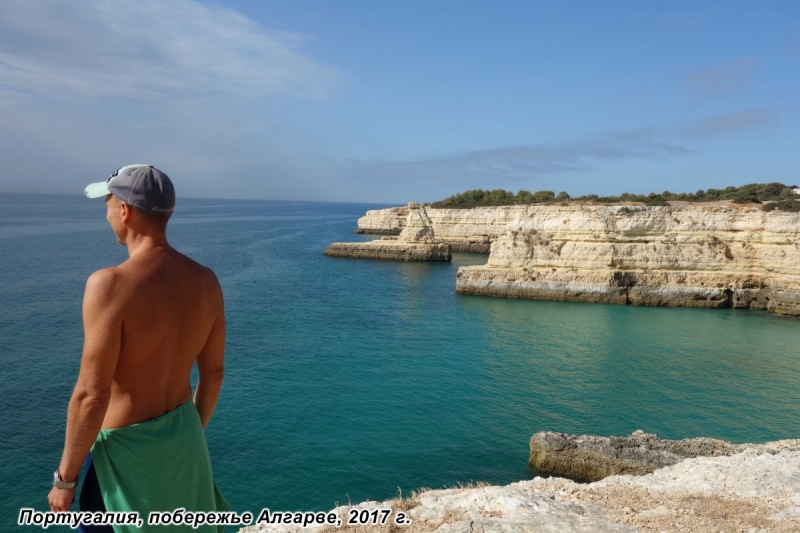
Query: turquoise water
[350, 378]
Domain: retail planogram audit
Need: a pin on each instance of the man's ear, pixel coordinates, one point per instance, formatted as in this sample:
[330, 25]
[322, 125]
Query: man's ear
[126, 212]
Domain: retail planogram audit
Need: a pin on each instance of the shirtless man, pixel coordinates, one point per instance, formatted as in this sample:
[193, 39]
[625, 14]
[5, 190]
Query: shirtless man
[146, 323]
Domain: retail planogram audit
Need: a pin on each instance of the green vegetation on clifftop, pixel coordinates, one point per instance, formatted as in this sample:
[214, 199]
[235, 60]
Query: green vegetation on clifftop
[780, 196]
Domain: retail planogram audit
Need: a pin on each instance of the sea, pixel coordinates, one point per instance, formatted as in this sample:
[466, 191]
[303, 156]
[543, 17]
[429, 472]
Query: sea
[352, 379]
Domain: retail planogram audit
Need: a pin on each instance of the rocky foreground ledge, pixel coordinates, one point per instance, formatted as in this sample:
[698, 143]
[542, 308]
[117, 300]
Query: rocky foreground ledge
[592, 458]
[697, 485]
[733, 488]
[747, 492]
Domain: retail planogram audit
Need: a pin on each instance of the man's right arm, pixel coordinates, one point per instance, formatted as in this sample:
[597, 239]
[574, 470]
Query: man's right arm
[210, 367]
[102, 320]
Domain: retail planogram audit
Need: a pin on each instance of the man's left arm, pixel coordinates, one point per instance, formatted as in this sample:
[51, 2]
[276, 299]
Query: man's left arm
[102, 324]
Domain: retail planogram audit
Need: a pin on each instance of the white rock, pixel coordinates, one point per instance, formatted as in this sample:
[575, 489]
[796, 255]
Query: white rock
[767, 481]
[691, 254]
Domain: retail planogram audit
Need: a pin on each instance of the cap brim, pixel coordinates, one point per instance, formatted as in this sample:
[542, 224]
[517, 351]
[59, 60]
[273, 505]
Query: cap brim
[97, 190]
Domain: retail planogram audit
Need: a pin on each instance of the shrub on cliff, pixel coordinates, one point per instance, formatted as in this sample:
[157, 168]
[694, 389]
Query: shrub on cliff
[544, 196]
[480, 197]
[784, 205]
[746, 199]
[655, 199]
[750, 193]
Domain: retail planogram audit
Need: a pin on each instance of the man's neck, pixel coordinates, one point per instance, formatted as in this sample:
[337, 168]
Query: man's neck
[140, 243]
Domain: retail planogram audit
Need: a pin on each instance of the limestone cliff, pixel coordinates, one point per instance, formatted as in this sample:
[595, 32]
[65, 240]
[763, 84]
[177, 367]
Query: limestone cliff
[418, 226]
[416, 241]
[694, 255]
[687, 254]
[465, 230]
[390, 221]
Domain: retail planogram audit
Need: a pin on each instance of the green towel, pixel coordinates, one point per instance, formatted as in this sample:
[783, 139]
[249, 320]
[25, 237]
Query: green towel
[158, 465]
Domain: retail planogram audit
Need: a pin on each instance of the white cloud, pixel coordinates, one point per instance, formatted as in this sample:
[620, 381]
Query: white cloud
[520, 163]
[150, 49]
[88, 86]
[204, 93]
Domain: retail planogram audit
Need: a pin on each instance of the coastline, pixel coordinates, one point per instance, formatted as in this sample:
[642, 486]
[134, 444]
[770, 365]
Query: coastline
[740, 370]
[711, 255]
[754, 489]
[720, 255]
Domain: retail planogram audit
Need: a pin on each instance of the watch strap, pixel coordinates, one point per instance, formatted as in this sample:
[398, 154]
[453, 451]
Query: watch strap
[59, 483]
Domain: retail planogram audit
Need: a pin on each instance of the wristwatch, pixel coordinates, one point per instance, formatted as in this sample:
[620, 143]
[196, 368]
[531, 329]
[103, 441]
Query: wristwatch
[61, 484]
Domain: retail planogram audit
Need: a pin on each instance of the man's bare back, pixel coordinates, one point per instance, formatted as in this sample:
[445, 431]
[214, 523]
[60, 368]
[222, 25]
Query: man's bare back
[146, 323]
[165, 306]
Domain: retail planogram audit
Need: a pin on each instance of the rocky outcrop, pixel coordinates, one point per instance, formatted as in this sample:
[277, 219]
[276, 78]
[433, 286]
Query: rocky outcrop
[749, 491]
[415, 242]
[591, 458]
[390, 221]
[693, 255]
[392, 249]
[465, 230]
[418, 227]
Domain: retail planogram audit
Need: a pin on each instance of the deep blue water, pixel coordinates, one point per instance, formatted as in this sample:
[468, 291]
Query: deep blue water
[350, 378]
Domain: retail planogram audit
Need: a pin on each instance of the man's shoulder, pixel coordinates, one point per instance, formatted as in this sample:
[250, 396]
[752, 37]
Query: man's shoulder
[103, 288]
[113, 283]
[103, 280]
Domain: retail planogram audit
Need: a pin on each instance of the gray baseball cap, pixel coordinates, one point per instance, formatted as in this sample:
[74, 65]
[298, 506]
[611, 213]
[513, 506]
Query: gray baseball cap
[141, 186]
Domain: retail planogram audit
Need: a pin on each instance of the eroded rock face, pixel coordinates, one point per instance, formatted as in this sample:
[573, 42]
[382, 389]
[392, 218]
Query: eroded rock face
[465, 230]
[692, 255]
[390, 221]
[591, 458]
[416, 242]
[688, 254]
[418, 226]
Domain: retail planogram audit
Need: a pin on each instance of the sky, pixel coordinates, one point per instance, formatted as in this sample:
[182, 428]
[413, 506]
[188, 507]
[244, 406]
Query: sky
[390, 102]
